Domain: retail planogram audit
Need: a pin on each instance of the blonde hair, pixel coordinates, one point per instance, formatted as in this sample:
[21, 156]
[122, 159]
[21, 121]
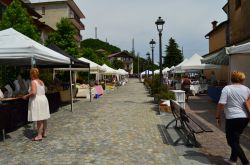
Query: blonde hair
[237, 77]
[34, 72]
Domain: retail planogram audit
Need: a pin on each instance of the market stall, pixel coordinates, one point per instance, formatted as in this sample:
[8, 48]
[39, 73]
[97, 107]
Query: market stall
[17, 49]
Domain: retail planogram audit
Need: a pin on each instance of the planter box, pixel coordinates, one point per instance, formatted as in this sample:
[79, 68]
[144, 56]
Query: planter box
[156, 99]
[164, 106]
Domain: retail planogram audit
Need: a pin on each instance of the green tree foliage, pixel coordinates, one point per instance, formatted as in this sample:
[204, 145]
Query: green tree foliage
[64, 37]
[97, 57]
[18, 18]
[97, 44]
[116, 64]
[89, 54]
[143, 64]
[173, 54]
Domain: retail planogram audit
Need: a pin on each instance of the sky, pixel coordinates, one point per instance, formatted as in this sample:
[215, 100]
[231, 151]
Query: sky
[120, 21]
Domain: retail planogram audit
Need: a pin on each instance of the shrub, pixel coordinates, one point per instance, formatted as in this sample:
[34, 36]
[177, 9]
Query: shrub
[167, 95]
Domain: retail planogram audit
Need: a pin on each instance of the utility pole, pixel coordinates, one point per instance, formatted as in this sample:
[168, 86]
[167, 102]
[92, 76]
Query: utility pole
[138, 63]
[133, 46]
[95, 32]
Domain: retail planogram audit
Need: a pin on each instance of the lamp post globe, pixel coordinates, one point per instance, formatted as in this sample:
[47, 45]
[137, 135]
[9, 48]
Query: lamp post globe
[159, 24]
[152, 45]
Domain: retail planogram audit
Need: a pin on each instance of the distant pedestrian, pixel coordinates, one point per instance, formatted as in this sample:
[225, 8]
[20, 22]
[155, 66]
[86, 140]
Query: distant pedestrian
[185, 85]
[38, 109]
[232, 102]
[213, 78]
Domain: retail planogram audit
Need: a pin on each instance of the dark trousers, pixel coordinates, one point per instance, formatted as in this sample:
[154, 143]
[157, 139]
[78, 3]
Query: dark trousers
[234, 128]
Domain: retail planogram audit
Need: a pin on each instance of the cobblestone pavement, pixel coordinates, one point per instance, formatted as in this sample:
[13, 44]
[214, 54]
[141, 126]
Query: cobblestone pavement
[119, 128]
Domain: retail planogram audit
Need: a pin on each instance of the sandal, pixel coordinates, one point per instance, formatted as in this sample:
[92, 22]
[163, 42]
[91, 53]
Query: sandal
[37, 139]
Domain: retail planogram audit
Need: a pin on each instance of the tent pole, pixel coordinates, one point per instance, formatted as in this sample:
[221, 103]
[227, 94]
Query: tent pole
[90, 94]
[71, 93]
[54, 73]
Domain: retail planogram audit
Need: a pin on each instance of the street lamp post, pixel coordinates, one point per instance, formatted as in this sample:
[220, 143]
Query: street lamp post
[148, 56]
[159, 23]
[152, 45]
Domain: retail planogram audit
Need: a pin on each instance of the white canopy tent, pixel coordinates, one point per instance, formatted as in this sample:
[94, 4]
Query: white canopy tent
[122, 72]
[146, 72]
[239, 49]
[239, 57]
[94, 67]
[172, 68]
[177, 68]
[194, 63]
[165, 70]
[21, 50]
[157, 71]
[110, 71]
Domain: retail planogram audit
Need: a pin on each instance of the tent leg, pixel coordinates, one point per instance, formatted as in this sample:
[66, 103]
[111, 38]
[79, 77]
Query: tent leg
[71, 93]
[90, 94]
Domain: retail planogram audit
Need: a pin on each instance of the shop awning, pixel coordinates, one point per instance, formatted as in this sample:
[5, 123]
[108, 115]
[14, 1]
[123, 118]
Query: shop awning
[218, 58]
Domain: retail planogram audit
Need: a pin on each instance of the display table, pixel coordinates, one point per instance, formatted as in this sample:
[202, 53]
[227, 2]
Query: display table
[180, 97]
[198, 88]
[54, 101]
[14, 111]
[214, 92]
[85, 92]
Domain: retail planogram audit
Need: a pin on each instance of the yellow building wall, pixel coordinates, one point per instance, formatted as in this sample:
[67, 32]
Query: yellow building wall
[217, 40]
[53, 13]
[239, 19]
[221, 74]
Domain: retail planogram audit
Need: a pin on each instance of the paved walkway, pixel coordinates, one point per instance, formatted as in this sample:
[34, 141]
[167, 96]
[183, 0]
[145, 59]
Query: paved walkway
[119, 128]
[122, 127]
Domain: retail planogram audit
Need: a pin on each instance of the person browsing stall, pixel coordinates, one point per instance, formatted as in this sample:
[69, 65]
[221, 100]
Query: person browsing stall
[38, 108]
[232, 102]
[185, 85]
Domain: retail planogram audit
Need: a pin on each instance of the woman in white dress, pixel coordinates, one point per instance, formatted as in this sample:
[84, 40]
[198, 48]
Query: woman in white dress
[38, 109]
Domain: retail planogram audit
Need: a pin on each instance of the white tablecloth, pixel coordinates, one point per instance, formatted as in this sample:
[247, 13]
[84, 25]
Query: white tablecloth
[198, 88]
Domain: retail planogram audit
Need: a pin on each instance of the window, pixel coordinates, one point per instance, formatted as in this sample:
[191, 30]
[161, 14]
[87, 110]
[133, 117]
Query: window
[43, 10]
[237, 4]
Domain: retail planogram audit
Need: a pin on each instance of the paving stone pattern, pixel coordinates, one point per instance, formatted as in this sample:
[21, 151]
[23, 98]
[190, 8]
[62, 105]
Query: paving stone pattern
[119, 128]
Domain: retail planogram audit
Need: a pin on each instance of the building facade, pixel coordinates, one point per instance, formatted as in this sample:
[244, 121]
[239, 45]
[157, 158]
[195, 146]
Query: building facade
[234, 31]
[126, 58]
[43, 29]
[53, 11]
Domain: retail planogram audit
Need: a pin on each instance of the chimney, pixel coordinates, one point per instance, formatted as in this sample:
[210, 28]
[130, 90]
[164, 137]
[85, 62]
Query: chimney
[214, 23]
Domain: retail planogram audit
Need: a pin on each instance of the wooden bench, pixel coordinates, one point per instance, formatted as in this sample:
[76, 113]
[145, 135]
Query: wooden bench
[188, 124]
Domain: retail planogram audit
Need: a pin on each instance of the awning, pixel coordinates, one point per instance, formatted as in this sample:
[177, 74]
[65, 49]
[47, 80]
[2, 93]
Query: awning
[218, 58]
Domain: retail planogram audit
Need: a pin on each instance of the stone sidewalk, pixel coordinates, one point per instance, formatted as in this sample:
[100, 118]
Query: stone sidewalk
[121, 127]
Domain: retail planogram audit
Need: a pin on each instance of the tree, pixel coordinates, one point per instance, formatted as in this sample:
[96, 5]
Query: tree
[18, 18]
[173, 54]
[97, 44]
[64, 37]
[89, 54]
[117, 64]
